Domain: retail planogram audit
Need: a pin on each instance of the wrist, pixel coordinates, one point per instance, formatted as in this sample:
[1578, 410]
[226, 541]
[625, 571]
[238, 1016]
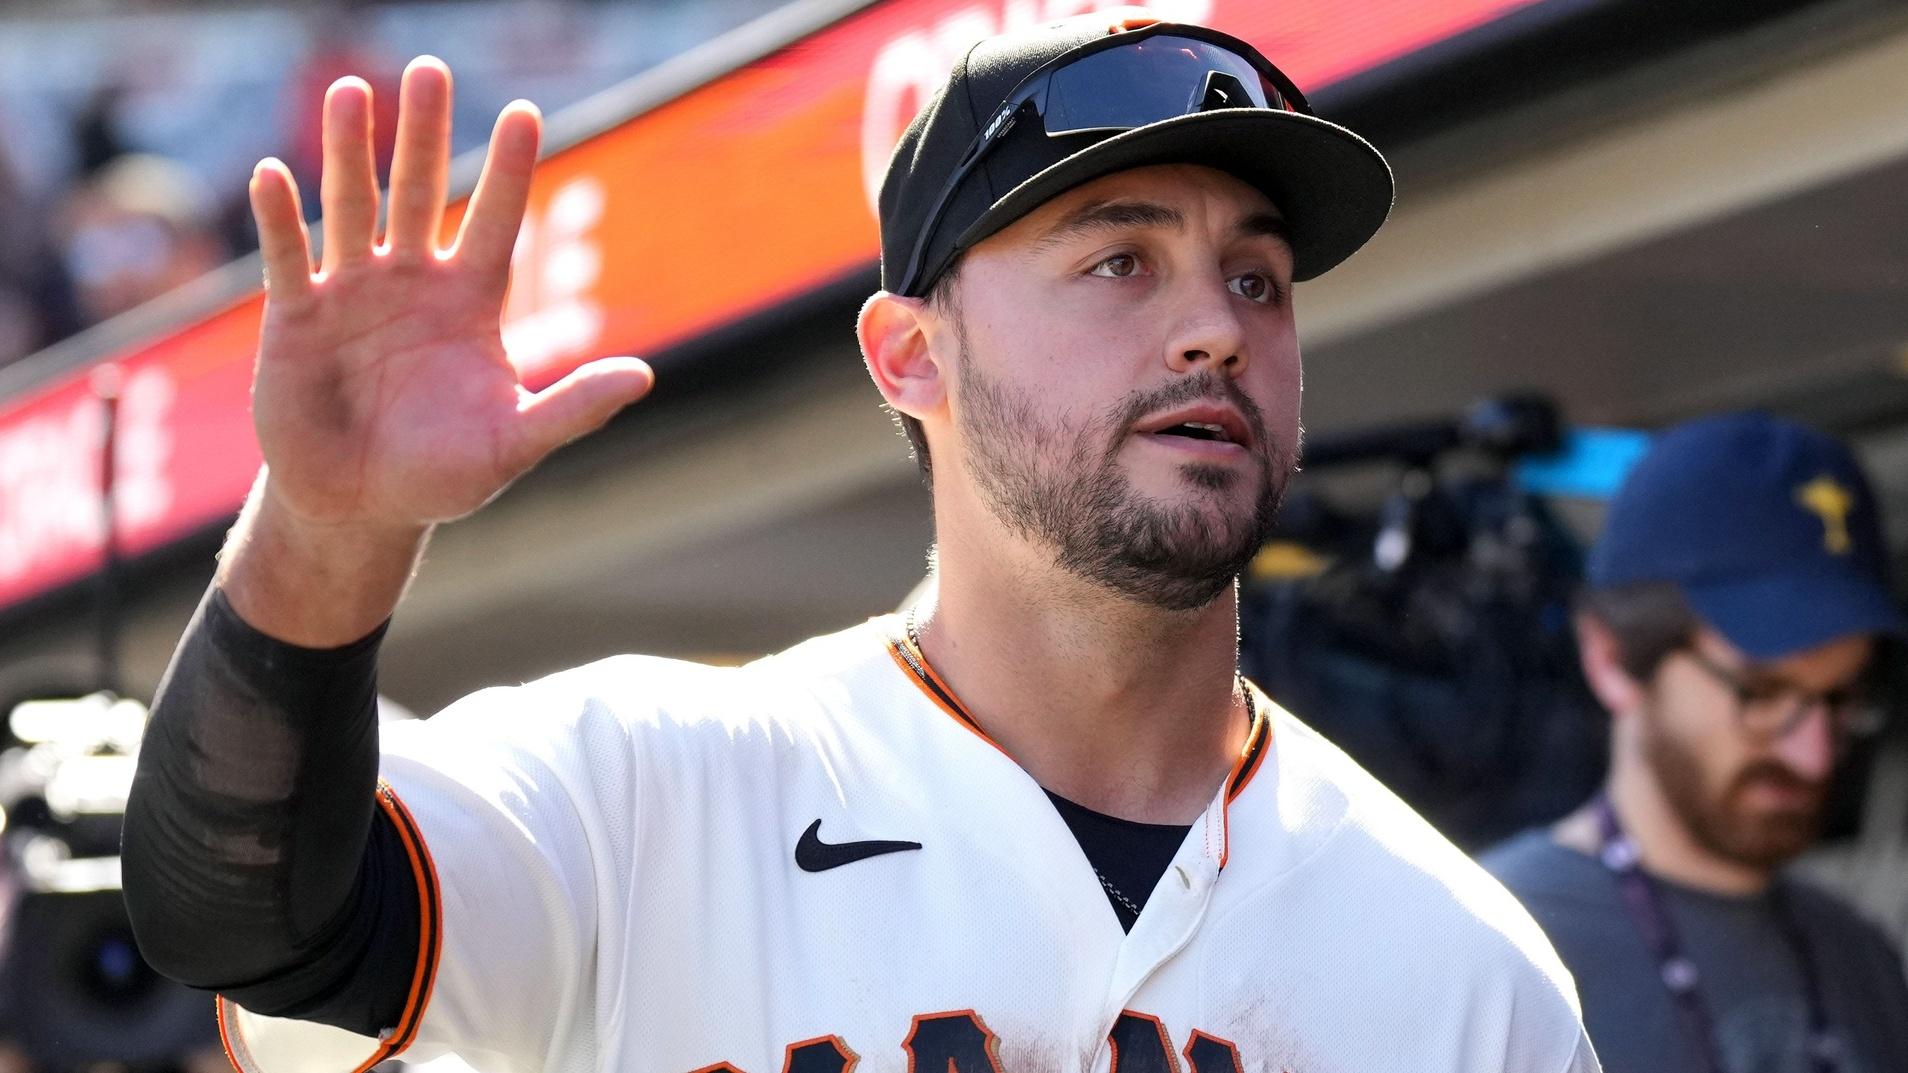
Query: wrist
[314, 584]
[370, 536]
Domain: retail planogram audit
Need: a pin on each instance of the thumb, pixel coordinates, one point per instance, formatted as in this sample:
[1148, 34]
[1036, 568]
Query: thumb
[579, 404]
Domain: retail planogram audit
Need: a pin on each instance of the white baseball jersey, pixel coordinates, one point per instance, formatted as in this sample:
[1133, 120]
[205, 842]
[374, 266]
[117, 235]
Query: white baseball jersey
[816, 864]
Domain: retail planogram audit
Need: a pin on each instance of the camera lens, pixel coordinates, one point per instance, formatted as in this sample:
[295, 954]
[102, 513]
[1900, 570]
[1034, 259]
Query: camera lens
[113, 970]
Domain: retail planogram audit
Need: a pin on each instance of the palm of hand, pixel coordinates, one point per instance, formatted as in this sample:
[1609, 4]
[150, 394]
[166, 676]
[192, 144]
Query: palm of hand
[383, 395]
[412, 414]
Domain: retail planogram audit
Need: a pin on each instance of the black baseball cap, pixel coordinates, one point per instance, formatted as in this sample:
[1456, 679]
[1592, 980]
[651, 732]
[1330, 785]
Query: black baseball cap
[1332, 187]
[1768, 527]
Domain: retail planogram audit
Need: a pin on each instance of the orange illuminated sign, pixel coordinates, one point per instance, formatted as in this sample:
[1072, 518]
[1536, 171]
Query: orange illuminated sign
[734, 198]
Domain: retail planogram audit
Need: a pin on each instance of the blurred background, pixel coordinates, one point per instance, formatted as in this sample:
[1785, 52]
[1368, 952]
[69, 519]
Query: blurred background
[1612, 214]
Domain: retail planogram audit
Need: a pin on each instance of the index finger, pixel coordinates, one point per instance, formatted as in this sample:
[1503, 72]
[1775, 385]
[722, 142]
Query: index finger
[489, 231]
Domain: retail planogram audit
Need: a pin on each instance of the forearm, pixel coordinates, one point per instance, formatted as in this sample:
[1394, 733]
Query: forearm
[312, 585]
[254, 861]
[383, 401]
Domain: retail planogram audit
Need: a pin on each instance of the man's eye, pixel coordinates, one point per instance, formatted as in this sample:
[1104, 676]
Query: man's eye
[1848, 698]
[1118, 266]
[1254, 286]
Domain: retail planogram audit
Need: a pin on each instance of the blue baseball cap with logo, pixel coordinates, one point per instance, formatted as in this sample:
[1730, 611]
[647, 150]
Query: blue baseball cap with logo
[1768, 527]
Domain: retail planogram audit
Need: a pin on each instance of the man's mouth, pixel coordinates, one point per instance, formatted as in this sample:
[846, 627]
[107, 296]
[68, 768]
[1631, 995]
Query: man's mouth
[1783, 792]
[1200, 422]
[1198, 430]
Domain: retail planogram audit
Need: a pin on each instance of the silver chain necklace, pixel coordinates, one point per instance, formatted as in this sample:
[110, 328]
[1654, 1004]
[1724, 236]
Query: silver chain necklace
[1116, 893]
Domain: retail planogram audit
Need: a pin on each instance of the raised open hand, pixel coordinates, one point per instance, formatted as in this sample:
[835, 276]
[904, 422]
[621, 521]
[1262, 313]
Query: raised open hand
[383, 397]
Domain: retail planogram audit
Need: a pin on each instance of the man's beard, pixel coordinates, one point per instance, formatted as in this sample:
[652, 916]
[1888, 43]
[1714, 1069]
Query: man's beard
[1062, 485]
[1720, 821]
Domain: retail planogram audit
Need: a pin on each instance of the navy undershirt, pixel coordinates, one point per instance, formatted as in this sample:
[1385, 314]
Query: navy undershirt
[1128, 856]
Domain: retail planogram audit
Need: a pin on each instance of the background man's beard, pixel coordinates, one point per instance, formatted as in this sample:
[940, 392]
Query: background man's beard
[1062, 486]
[1719, 821]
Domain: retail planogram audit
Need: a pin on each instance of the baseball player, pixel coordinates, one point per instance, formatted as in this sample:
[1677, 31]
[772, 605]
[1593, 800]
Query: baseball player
[1035, 823]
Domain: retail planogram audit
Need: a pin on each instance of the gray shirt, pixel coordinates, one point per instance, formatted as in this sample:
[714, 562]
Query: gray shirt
[1751, 981]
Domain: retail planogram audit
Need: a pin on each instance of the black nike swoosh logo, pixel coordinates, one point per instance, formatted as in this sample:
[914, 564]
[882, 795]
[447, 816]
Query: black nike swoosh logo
[814, 855]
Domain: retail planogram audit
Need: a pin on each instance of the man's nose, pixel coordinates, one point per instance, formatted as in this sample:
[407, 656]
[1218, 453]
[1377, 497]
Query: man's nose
[1809, 749]
[1210, 333]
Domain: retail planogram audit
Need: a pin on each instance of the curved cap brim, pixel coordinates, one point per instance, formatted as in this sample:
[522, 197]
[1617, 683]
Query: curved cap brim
[1332, 187]
[1769, 618]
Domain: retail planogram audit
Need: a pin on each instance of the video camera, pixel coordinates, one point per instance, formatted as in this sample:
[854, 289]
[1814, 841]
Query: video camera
[1428, 633]
[74, 991]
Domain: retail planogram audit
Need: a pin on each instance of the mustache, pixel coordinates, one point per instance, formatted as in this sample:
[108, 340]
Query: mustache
[1774, 773]
[1202, 385]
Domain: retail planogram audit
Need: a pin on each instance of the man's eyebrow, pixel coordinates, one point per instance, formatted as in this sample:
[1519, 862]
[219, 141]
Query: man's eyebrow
[1098, 216]
[1266, 224]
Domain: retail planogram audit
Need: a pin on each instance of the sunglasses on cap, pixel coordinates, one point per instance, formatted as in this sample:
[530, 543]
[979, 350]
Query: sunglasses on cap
[1126, 80]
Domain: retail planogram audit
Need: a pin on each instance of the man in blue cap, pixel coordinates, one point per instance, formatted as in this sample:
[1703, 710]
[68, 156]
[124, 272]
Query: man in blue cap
[1735, 616]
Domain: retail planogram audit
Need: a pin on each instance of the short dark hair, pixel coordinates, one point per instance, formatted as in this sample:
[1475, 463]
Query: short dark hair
[1649, 621]
[941, 296]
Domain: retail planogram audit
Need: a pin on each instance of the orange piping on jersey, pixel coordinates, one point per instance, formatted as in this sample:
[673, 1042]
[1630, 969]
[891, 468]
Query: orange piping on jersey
[430, 934]
[915, 665]
[1197, 1035]
[1251, 758]
[1165, 1041]
[993, 1041]
[430, 944]
[225, 1036]
[841, 1048]
[1253, 753]
[719, 1067]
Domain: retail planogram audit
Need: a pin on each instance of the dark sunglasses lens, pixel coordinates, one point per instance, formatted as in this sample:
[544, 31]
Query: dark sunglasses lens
[1161, 77]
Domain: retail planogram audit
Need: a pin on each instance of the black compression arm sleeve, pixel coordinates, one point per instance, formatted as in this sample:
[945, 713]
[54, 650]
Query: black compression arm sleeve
[256, 862]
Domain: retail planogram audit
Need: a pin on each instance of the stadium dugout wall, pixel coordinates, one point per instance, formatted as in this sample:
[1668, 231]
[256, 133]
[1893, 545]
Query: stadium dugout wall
[1645, 210]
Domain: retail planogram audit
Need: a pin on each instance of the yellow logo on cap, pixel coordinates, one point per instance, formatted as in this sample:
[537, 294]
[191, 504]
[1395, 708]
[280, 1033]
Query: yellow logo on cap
[1830, 502]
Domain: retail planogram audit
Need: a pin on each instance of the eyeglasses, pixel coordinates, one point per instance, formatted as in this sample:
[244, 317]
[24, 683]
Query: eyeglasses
[1125, 81]
[1770, 710]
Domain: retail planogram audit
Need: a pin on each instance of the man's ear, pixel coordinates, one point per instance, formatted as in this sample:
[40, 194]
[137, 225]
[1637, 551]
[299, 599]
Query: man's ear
[1601, 656]
[894, 345]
